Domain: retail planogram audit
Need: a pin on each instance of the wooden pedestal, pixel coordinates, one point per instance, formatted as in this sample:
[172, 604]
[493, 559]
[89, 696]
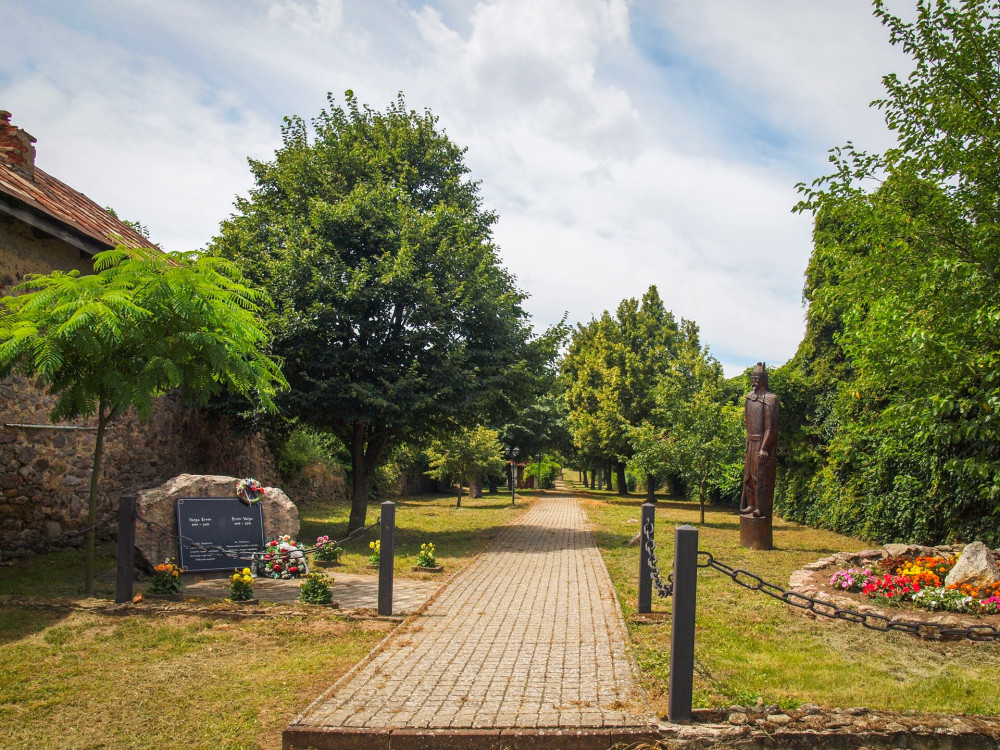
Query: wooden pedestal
[755, 533]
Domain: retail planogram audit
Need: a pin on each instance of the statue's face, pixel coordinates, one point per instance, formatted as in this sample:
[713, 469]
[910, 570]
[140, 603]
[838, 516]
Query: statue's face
[755, 380]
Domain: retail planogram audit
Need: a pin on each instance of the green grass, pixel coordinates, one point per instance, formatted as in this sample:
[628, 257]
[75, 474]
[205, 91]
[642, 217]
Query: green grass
[751, 646]
[187, 679]
[457, 533]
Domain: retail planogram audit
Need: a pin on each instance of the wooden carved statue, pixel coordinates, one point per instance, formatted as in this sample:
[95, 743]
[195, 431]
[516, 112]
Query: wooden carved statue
[761, 412]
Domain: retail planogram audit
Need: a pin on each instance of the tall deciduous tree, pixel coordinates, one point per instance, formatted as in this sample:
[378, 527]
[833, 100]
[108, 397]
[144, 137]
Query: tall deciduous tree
[900, 438]
[609, 370]
[393, 314]
[145, 323]
[465, 456]
[694, 431]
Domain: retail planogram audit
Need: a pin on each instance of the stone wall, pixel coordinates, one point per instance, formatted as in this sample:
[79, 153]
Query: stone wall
[45, 473]
[24, 250]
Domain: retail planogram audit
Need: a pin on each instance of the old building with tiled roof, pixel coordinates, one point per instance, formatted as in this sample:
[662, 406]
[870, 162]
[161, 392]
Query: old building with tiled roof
[45, 224]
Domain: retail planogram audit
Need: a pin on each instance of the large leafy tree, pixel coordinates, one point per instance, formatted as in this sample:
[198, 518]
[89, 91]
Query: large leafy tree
[465, 456]
[898, 377]
[393, 315]
[694, 432]
[609, 370]
[145, 323]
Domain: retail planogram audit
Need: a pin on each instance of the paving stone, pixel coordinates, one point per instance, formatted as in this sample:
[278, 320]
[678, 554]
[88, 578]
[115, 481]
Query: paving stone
[528, 636]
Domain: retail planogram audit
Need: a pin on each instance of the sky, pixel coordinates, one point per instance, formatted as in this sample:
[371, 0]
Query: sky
[622, 143]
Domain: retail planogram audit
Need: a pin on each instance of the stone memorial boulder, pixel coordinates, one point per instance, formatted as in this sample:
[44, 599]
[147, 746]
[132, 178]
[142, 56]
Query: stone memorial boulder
[159, 506]
[977, 567]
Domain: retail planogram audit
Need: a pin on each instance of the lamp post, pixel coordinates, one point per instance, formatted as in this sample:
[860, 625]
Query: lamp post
[540, 471]
[512, 456]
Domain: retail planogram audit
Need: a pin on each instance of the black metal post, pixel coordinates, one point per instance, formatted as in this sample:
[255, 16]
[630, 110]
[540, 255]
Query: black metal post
[513, 481]
[386, 558]
[682, 627]
[648, 518]
[125, 574]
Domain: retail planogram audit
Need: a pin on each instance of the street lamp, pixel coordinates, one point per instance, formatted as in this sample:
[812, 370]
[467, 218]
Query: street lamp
[512, 456]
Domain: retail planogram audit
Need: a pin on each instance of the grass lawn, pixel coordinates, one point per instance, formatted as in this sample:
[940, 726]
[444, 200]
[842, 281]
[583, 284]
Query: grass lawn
[750, 646]
[73, 678]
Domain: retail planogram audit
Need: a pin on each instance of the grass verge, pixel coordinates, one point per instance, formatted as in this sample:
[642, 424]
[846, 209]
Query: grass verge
[176, 679]
[749, 646]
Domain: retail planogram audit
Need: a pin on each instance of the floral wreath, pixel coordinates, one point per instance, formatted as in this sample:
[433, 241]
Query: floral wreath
[249, 491]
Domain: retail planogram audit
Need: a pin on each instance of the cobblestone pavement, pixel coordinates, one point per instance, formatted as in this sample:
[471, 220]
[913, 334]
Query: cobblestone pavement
[528, 636]
[350, 591]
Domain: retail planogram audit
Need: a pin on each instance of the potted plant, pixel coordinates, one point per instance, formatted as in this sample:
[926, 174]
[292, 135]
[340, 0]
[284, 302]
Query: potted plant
[241, 586]
[426, 562]
[165, 583]
[327, 554]
[315, 589]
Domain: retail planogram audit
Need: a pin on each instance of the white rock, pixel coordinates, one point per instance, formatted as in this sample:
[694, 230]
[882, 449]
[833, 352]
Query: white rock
[977, 566]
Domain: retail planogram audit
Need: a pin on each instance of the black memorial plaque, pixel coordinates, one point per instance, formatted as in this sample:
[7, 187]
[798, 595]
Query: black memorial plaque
[224, 522]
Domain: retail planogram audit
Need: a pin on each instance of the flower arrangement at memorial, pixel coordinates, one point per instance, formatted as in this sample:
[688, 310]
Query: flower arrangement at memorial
[376, 548]
[249, 490]
[283, 558]
[241, 586]
[425, 558]
[920, 582]
[315, 589]
[166, 578]
[327, 551]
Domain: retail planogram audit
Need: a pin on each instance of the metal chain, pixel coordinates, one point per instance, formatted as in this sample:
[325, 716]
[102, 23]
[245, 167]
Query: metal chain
[663, 590]
[254, 557]
[926, 630]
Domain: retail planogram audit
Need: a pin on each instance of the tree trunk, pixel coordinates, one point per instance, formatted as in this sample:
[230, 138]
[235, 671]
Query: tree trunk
[95, 474]
[701, 499]
[366, 451]
[600, 478]
[494, 484]
[458, 502]
[622, 479]
[583, 475]
[650, 488]
[607, 477]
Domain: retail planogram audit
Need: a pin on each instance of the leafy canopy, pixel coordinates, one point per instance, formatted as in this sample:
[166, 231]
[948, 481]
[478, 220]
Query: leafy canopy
[146, 322]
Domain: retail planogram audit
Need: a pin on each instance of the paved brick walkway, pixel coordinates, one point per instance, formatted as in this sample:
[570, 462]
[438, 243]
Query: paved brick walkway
[524, 647]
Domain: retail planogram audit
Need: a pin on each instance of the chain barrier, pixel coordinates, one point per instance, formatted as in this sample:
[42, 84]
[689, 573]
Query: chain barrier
[926, 630]
[254, 557]
[663, 590]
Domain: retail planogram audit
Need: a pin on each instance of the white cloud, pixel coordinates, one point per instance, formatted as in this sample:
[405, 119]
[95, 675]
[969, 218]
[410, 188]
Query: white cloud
[611, 168]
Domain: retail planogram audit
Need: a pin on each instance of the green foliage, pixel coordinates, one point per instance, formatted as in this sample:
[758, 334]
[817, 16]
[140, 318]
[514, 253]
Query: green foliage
[550, 469]
[145, 323]
[692, 432]
[895, 390]
[465, 455]
[609, 372]
[305, 446]
[315, 589]
[394, 315]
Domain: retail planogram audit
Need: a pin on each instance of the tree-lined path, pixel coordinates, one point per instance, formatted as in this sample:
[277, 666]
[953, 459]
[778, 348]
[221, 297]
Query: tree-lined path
[524, 647]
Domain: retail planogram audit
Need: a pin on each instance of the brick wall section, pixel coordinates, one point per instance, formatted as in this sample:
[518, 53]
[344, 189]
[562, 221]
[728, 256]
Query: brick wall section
[45, 474]
[23, 250]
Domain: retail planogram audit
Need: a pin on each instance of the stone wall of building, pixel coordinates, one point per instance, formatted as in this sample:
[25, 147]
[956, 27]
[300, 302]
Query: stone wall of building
[45, 473]
[24, 250]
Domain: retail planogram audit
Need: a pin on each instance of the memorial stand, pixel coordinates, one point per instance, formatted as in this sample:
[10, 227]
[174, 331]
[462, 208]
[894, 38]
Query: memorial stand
[755, 533]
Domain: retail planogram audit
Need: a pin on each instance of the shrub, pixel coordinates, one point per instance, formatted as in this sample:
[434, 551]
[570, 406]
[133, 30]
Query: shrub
[165, 578]
[315, 589]
[425, 558]
[241, 586]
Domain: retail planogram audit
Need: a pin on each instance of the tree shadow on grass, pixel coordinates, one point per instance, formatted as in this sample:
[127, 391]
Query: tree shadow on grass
[17, 622]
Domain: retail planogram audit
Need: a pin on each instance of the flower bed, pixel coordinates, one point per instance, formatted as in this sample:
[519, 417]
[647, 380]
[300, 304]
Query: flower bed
[898, 577]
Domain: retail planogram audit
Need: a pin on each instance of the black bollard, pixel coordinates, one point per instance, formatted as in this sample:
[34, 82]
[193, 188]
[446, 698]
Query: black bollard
[648, 518]
[682, 626]
[386, 558]
[125, 574]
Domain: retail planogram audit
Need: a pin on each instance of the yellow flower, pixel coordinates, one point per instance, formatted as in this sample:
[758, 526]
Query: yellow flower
[246, 571]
